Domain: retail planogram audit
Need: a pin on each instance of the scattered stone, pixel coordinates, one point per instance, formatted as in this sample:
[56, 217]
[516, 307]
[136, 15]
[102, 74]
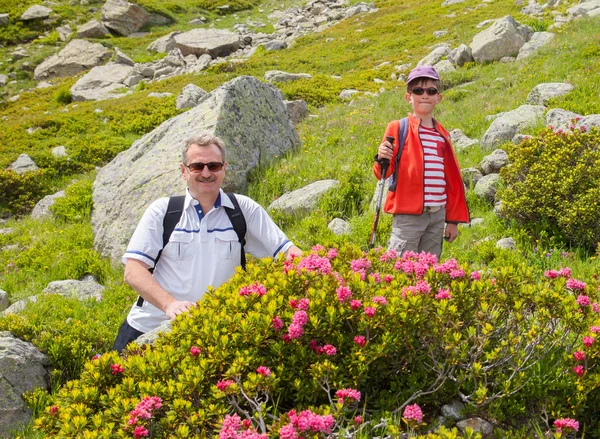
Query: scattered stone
[92, 29]
[506, 243]
[121, 58]
[559, 118]
[339, 227]
[519, 138]
[510, 123]
[461, 55]
[23, 164]
[64, 32]
[444, 66]
[507, 59]
[440, 33]
[303, 199]
[297, 110]
[42, 208]
[504, 38]
[59, 151]
[435, 56]
[122, 17]
[532, 9]
[542, 93]
[460, 141]
[43, 84]
[164, 44]
[476, 221]
[4, 300]
[190, 96]
[451, 2]
[491, 164]
[279, 76]
[3, 19]
[485, 23]
[347, 94]
[20, 53]
[470, 176]
[589, 8]
[3, 80]
[14, 98]
[82, 290]
[198, 21]
[215, 42]
[36, 12]
[486, 187]
[275, 45]
[151, 336]
[536, 41]
[76, 57]
[454, 410]
[102, 82]
[478, 425]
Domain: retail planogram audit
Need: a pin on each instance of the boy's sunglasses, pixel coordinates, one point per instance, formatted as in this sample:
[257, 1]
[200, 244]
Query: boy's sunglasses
[431, 91]
[199, 166]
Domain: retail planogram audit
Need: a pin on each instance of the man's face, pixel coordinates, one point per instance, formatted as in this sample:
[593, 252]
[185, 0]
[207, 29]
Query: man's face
[203, 184]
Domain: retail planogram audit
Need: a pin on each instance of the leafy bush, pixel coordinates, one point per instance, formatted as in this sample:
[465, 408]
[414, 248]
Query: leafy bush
[310, 334]
[20, 192]
[63, 96]
[553, 185]
[76, 205]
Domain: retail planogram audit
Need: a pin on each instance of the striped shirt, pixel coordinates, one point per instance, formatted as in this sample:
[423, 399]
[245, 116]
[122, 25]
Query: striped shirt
[434, 148]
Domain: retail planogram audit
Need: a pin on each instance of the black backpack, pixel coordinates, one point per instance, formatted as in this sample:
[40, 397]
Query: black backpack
[173, 215]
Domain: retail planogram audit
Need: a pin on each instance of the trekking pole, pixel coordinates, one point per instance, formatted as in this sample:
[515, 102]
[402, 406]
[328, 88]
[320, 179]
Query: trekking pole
[384, 163]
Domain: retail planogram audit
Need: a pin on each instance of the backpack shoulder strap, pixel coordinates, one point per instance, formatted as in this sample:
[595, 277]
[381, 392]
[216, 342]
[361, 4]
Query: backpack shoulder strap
[239, 225]
[402, 132]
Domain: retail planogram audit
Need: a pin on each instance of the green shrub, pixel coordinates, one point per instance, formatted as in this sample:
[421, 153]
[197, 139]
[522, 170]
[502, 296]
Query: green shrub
[63, 96]
[553, 185]
[423, 332]
[20, 192]
[76, 205]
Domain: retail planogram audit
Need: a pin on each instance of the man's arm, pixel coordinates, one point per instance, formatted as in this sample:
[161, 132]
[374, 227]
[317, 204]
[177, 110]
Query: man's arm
[141, 280]
[292, 251]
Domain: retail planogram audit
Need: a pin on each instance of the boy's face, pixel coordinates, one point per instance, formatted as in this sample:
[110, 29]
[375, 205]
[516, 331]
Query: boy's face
[424, 104]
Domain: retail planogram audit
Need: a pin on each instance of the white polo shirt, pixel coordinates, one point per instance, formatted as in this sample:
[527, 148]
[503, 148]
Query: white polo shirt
[203, 250]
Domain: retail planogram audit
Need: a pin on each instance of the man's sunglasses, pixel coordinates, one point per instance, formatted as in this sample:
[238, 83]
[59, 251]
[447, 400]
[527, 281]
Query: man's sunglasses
[431, 91]
[199, 166]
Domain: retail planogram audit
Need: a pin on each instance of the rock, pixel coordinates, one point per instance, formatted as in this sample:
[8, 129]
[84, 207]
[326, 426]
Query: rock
[339, 227]
[20, 53]
[444, 66]
[43, 84]
[435, 56]
[478, 425]
[22, 369]
[470, 176]
[247, 114]
[485, 23]
[122, 17]
[347, 94]
[275, 45]
[23, 164]
[491, 164]
[453, 410]
[3, 19]
[164, 44]
[506, 243]
[303, 199]
[559, 118]
[76, 57]
[461, 55]
[64, 32]
[121, 58]
[297, 110]
[536, 41]
[81, 290]
[36, 12]
[519, 138]
[4, 300]
[215, 42]
[451, 2]
[460, 141]
[590, 8]
[504, 38]
[190, 96]
[542, 93]
[486, 187]
[510, 123]
[151, 336]
[476, 221]
[101, 83]
[42, 208]
[3, 80]
[591, 120]
[132, 80]
[279, 76]
[159, 95]
[92, 29]
[59, 151]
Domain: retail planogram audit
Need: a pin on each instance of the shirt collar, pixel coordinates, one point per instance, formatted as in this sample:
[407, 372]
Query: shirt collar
[222, 200]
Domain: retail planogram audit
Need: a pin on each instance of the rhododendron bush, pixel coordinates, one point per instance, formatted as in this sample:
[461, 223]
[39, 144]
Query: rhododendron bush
[336, 341]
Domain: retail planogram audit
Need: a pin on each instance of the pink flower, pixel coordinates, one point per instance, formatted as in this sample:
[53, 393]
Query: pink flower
[95, 357]
[54, 410]
[329, 350]
[578, 370]
[370, 311]
[264, 371]
[423, 287]
[286, 338]
[595, 329]
[195, 351]
[388, 278]
[475, 275]
[277, 323]
[332, 253]
[355, 304]
[588, 341]
[360, 264]
[443, 294]
[223, 385]
[300, 318]
[345, 394]
[246, 423]
[343, 293]
[579, 355]
[389, 256]
[255, 288]
[455, 274]
[293, 303]
[595, 307]
[116, 369]
[303, 304]
[568, 423]
[376, 277]
[315, 263]
[317, 248]
[287, 432]
[551, 274]
[360, 340]
[583, 300]
[380, 300]
[358, 420]
[144, 409]
[565, 272]
[575, 284]
[140, 431]
[583, 128]
[413, 413]
[295, 331]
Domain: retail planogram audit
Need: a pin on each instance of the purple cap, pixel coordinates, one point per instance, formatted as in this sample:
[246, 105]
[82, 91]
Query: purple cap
[423, 72]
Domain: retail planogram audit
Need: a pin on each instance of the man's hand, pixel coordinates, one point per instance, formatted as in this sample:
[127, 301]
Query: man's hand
[176, 307]
[292, 251]
[385, 150]
[451, 232]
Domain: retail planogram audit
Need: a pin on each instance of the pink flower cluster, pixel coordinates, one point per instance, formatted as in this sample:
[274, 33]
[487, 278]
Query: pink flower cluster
[583, 300]
[195, 351]
[370, 311]
[355, 304]
[277, 323]
[475, 275]
[595, 329]
[422, 287]
[306, 421]
[563, 272]
[233, 428]
[328, 349]
[389, 255]
[566, 423]
[413, 413]
[315, 263]
[332, 253]
[144, 409]
[255, 288]
[223, 385]
[446, 267]
[381, 300]
[345, 394]
[140, 431]
[443, 294]
[579, 355]
[361, 264]
[343, 294]
[588, 341]
[264, 371]
[296, 329]
[116, 369]
[578, 370]
[574, 284]
[360, 340]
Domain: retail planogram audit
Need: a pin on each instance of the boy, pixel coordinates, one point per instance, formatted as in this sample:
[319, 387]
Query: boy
[426, 191]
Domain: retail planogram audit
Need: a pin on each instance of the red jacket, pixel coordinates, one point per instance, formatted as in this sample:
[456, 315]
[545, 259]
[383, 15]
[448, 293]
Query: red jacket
[409, 195]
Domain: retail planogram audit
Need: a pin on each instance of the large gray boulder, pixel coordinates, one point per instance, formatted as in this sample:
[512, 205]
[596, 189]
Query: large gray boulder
[510, 123]
[460, 141]
[42, 208]
[75, 288]
[92, 29]
[23, 164]
[486, 187]
[76, 57]
[122, 17]
[36, 12]
[22, 369]
[492, 163]
[503, 38]
[164, 44]
[536, 41]
[461, 55]
[590, 8]
[559, 118]
[542, 93]
[102, 82]
[247, 114]
[215, 42]
[303, 199]
[435, 55]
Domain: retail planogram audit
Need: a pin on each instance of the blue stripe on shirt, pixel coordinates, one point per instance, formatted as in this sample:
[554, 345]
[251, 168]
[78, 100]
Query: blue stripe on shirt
[280, 247]
[141, 254]
[208, 231]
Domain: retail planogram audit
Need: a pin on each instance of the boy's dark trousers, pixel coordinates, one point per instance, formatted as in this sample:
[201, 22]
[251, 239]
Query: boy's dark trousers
[126, 335]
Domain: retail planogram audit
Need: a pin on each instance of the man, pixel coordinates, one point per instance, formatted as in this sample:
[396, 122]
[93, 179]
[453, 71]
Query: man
[203, 249]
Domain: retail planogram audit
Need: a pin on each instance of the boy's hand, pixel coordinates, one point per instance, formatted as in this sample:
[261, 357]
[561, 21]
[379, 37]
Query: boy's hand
[385, 151]
[451, 232]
